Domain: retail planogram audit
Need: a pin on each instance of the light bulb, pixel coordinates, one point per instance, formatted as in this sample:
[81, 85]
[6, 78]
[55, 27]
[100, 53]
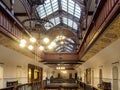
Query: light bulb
[41, 48]
[22, 45]
[50, 47]
[30, 47]
[23, 41]
[32, 39]
[46, 40]
[53, 44]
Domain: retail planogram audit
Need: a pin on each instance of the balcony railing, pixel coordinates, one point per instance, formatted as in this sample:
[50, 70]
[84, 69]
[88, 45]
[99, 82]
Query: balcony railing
[37, 85]
[9, 24]
[105, 11]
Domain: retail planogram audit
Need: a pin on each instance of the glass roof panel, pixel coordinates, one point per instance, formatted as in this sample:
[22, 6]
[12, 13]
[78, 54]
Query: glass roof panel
[71, 7]
[75, 26]
[70, 23]
[70, 40]
[68, 48]
[55, 22]
[49, 7]
[65, 20]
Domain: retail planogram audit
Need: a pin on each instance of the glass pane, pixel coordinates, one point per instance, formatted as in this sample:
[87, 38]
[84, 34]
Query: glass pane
[68, 48]
[64, 1]
[64, 8]
[47, 1]
[57, 20]
[64, 20]
[53, 4]
[47, 26]
[42, 14]
[75, 26]
[55, 7]
[70, 11]
[71, 4]
[71, 46]
[54, 1]
[49, 4]
[70, 22]
[78, 16]
[77, 7]
[69, 39]
[70, 1]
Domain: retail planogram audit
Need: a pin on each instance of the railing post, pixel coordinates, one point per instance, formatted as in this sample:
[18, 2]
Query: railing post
[12, 8]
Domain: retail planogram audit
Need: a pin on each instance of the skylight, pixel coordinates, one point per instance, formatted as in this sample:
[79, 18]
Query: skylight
[55, 22]
[71, 7]
[48, 8]
[70, 23]
[64, 49]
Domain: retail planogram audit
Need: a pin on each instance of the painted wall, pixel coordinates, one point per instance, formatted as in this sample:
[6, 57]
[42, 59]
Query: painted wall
[15, 66]
[106, 59]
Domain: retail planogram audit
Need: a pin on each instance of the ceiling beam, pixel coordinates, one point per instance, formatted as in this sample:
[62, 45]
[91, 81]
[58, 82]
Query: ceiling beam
[90, 12]
[20, 14]
[61, 63]
[70, 61]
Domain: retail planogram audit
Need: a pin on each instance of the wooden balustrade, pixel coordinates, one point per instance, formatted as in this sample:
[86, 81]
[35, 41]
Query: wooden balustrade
[9, 27]
[103, 14]
[9, 24]
[36, 85]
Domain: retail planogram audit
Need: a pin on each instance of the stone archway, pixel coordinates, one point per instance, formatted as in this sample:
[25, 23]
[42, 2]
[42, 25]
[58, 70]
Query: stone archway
[115, 77]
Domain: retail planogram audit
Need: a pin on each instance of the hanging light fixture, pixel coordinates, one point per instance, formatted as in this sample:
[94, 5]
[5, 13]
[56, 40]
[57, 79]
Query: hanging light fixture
[41, 48]
[46, 40]
[30, 47]
[32, 39]
[22, 43]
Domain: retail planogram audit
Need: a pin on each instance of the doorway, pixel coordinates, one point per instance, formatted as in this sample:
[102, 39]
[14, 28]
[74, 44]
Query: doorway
[115, 77]
[1, 77]
[100, 76]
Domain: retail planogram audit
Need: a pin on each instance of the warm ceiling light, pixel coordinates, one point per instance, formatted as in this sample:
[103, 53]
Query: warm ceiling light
[22, 45]
[23, 41]
[50, 47]
[30, 47]
[61, 37]
[64, 72]
[62, 67]
[41, 48]
[61, 42]
[46, 40]
[53, 44]
[32, 39]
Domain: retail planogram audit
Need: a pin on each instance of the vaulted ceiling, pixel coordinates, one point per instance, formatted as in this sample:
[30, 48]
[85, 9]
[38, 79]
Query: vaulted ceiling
[60, 21]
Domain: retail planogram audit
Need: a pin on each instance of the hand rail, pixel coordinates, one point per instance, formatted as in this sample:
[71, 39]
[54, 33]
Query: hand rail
[10, 25]
[36, 85]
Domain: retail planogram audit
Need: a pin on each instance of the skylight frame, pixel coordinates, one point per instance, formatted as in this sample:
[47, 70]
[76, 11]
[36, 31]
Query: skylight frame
[55, 21]
[67, 21]
[49, 8]
[72, 5]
